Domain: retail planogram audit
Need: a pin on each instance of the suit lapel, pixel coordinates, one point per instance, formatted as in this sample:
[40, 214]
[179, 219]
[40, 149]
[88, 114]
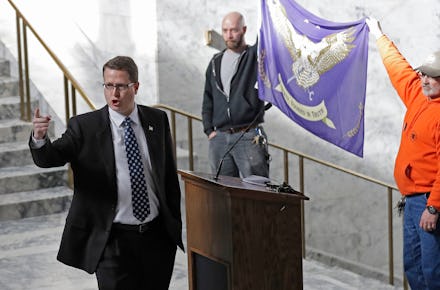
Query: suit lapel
[152, 132]
[105, 141]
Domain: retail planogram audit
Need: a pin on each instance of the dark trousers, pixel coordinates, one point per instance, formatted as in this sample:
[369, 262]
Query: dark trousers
[137, 261]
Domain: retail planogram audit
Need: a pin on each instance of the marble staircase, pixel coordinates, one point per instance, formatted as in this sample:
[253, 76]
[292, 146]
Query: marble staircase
[25, 189]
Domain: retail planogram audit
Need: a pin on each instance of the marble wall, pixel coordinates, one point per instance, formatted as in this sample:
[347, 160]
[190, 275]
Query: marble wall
[346, 220]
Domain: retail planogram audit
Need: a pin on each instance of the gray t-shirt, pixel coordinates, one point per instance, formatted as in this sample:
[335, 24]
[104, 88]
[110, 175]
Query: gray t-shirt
[228, 68]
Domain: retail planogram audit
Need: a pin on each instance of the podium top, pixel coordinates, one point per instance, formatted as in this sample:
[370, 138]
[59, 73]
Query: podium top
[240, 186]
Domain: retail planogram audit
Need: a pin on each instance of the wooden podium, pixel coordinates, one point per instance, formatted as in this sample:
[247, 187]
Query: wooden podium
[241, 236]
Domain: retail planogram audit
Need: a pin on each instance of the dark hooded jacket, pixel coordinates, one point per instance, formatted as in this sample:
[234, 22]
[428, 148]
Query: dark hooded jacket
[220, 112]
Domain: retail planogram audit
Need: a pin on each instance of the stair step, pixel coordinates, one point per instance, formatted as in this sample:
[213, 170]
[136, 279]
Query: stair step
[11, 99]
[35, 203]
[8, 87]
[31, 177]
[15, 154]
[5, 68]
[13, 130]
[9, 107]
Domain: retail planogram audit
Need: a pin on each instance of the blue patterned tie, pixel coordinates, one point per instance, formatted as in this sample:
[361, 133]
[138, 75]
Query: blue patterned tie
[141, 205]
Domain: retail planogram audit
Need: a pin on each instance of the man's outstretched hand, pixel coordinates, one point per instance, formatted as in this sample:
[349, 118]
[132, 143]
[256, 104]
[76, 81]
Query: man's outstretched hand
[40, 124]
[374, 27]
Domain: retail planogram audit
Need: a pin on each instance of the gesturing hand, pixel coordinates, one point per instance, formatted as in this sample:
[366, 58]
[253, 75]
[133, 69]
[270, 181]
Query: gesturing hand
[40, 124]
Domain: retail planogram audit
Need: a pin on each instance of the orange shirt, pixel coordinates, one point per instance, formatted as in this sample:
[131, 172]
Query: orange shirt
[418, 160]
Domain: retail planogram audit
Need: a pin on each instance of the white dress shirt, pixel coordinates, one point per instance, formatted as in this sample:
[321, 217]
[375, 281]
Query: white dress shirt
[124, 209]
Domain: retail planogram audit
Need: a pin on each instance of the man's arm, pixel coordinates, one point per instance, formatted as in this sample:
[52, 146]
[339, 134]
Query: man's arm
[208, 103]
[402, 76]
[45, 153]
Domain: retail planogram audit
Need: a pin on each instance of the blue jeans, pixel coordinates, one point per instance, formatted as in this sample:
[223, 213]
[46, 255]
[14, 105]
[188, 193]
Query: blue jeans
[247, 158]
[421, 249]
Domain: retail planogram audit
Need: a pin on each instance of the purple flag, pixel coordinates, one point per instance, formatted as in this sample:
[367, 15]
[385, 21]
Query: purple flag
[314, 71]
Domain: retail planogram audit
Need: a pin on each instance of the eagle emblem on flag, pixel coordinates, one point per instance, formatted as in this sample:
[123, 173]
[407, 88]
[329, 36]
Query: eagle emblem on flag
[310, 59]
[314, 70]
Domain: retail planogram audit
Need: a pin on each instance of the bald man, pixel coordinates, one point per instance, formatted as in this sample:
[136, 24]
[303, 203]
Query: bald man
[231, 106]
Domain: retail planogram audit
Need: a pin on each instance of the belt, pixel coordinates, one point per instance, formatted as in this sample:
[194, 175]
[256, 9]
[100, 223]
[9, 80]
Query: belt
[238, 129]
[137, 228]
[418, 193]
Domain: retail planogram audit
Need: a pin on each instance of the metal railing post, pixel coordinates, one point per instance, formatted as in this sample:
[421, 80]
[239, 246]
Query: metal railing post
[26, 73]
[390, 237]
[173, 134]
[286, 165]
[301, 190]
[73, 93]
[405, 282]
[190, 145]
[66, 98]
[20, 67]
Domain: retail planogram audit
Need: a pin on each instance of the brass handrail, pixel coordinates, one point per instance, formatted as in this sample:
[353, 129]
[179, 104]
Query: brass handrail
[22, 25]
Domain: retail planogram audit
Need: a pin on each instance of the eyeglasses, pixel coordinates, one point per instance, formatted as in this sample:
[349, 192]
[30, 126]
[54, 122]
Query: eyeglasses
[118, 87]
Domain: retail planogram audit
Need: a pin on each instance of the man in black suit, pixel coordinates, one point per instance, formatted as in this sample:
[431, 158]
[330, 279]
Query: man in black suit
[122, 229]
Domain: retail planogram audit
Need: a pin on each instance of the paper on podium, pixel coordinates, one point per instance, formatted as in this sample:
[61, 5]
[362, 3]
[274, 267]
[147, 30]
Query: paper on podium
[257, 180]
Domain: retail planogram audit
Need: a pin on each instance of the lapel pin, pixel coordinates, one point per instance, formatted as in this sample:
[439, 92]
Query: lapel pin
[150, 128]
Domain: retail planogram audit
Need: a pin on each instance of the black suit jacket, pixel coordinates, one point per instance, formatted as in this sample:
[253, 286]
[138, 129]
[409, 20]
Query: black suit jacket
[87, 144]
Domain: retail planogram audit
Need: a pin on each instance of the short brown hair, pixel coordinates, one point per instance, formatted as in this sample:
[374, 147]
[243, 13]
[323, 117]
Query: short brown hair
[124, 63]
